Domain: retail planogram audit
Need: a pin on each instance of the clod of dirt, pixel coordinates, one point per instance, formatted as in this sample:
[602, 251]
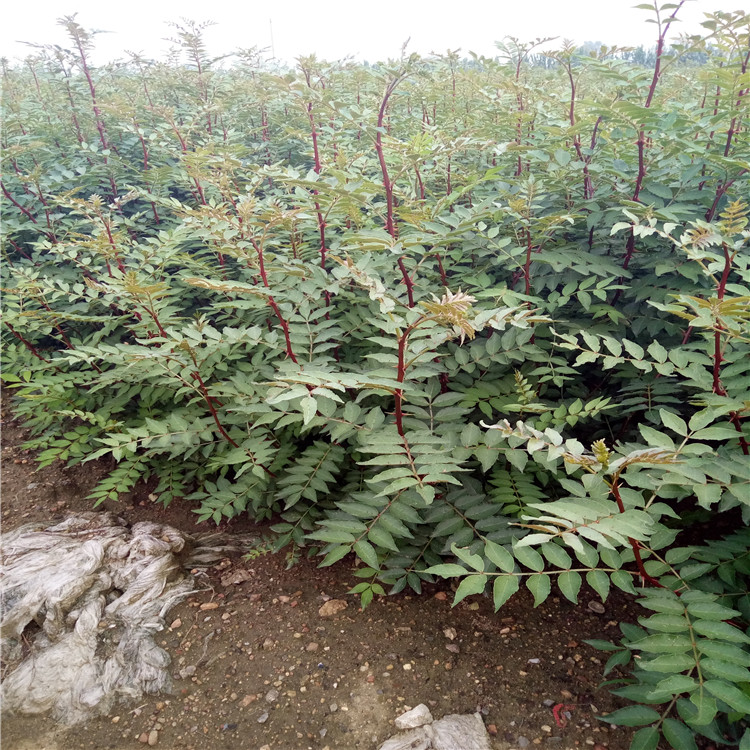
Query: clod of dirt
[332, 607]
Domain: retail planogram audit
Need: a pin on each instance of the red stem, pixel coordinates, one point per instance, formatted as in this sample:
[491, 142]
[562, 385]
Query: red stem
[635, 546]
[390, 225]
[26, 343]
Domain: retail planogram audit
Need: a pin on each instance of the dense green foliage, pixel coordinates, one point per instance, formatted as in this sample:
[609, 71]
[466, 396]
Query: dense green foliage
[472, 319]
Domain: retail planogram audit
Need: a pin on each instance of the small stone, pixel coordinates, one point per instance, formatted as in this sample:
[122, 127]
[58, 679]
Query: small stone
[450, 634]
[596, 607]
[334, 707]
[153, 737]
[268, 644]
[210, 605]
[248, 699]
[143, 738]
[441, 596]
[417, 717]
[233, 697]
[332, 607]
[523, 741]
[263, 718]
[284, 599]
[371, 678]
[311, 647]
[175, 624]
[546, 728]
[407, 667]
[453, 647]
[272, 696]
[115, 719]
[492, 729]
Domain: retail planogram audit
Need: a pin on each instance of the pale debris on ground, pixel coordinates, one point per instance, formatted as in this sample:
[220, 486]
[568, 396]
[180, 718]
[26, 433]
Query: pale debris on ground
[453, 732]
[98, 591]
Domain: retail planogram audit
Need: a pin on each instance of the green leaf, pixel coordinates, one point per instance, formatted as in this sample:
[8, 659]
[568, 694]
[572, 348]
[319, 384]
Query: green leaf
[731, 695]
[556, 555]
[726, 670]
[309, 408]
[499, 556]
[599, 581]
[724, 651]
[673, 422]
[447, 570]
[711, 611]
[665, 623]
[540, 586]
[473, 561]
[528, 557]
[503, 588]
[631, 716]
[673, 685]
[664, 643]
[473, 584]
[569, 583]
[366, 552]
[720, 630]
[645, 739]
[668, 663]
[334, 556]
[381, 538]
[678, 735]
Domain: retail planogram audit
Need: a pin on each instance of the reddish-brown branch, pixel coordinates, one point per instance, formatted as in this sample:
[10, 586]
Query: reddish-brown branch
[272, 302]
[635, 546]
[26, 343]
[24, 211]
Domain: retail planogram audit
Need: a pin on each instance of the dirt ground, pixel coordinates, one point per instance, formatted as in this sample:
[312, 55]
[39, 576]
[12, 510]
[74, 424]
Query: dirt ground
[257, 666]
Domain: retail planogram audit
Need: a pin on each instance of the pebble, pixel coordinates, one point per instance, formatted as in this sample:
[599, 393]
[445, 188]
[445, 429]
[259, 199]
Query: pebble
[407, 667]
[210, 605]
[453, 648]
[311, 647]
[272, 696]
[334, 707]
[143, 738]
[248, 699]
[263, 718]
[175, 624]
[268, 644]
[115, 719]
[153, 737]
[441, 596]
[492, 729]
[596, 606]
[523, 741]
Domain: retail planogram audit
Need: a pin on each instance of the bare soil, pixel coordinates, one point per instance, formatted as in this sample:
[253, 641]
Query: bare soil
[256, 666]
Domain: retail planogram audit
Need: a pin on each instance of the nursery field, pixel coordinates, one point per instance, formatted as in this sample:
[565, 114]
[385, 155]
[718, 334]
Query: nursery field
[482, 320]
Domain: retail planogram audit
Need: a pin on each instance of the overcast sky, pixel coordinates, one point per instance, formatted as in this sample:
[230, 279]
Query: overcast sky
[333, 29]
